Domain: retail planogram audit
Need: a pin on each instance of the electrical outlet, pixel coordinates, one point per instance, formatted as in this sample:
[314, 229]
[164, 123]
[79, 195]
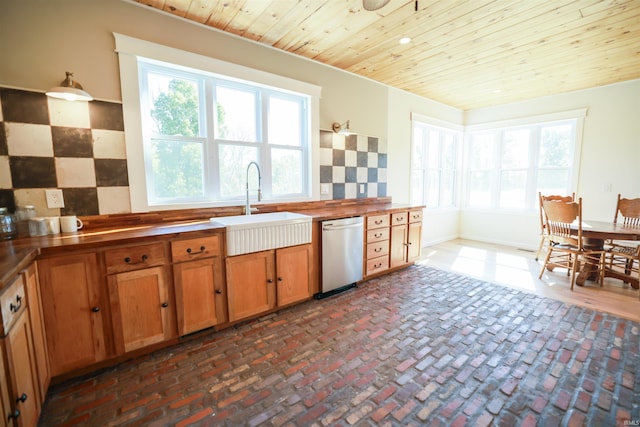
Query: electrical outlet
[54, 198]
[324, 189]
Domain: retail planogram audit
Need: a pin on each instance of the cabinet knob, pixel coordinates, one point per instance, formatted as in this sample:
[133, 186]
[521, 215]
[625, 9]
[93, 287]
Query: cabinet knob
[218, 291]
[22, 398]
[165, 304]
[279, 279]
[14, 415]
[95, 309]
[269, 280]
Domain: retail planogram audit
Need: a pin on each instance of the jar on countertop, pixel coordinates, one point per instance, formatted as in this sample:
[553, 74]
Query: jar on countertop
[8, 228]
[38, 226]
[23, 215]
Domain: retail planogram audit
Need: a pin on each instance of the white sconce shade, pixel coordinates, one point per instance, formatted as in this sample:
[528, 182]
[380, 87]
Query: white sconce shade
[70, 90]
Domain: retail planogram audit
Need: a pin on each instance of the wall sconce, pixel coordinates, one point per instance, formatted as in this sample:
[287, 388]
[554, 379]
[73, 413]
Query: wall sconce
[69, 90]
[340, 130]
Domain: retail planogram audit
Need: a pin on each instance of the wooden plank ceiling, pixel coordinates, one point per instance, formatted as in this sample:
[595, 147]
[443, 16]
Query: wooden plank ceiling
[464, 53]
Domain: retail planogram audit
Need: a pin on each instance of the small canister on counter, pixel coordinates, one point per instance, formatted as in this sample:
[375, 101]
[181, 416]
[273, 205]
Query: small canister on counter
[38, 226]
[23, 215]
[8, 228]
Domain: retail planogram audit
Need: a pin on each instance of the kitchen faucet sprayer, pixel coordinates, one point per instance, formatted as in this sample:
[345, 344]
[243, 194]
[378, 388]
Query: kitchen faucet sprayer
[247, 206]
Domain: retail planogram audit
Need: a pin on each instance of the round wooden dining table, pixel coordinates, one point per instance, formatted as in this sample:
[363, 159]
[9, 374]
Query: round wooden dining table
[595, 233]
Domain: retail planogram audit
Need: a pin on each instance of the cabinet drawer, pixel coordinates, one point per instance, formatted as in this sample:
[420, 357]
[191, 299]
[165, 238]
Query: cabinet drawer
[376, 265]
[377, 235]
[415, 216]
[377, 249]
[399, 218]
[196, 248]
[134, 257]
[13, 302]
[377, 221]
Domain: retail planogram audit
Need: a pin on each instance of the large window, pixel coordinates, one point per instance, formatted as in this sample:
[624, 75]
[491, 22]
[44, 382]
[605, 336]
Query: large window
[194, 123]
[201, 132]
[507, 167]
[434, 163]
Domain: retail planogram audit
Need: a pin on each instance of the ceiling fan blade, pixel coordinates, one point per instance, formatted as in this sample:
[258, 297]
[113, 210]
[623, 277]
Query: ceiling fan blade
[374, 4]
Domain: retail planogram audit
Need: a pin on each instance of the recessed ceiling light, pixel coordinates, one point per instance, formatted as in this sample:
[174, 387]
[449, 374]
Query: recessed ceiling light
[405, 40]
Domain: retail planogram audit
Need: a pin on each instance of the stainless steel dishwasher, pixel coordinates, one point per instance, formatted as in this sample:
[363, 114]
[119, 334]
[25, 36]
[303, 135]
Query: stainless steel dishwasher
[342, 254]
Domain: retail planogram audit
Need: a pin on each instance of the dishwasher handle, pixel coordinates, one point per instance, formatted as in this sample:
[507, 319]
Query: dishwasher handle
[332, 227]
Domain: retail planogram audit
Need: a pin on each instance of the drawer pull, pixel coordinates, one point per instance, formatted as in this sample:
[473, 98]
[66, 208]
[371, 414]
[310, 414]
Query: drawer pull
[165, 304]
[14, 415]
[16, 308]
[377, 235]
[377, 265]
[400, 218]
[190, 252]
[95, 309]
[377, 249]
[143, 260]
[378, 222]
[22, 398]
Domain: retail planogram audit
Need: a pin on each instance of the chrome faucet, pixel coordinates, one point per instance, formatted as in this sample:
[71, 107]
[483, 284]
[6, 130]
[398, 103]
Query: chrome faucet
[247, 206]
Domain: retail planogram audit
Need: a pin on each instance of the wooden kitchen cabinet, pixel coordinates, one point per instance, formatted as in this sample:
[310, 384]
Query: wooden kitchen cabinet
[377, 244]
[261, 281]
[34, 301]
[75, 309]
[21, 384]
[405, 241]
[141, 296]
[201, 300]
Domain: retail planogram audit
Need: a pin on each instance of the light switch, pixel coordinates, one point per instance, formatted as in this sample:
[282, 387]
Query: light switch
[361, 188]
[54, 198]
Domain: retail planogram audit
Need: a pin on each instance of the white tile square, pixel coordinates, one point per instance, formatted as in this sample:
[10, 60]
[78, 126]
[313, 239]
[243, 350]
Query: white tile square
[108, 144]
[382, 145]
[68, 114]
[112, 200]
[27, 139]
[326, 156]
[350, 190]
[338, 141]
[35, 197]
[372, 160]
[75, 172]
[362, 174]
[338, 175]
[350, 158]
[372, 189]
[382, 174]
[5, 173]
[363, 143]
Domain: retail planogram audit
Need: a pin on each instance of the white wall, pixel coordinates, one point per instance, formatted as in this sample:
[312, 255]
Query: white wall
[608, 165]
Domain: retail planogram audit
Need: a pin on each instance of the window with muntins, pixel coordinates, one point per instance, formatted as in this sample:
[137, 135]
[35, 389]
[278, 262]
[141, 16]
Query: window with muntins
[507, 167]
[201, 131]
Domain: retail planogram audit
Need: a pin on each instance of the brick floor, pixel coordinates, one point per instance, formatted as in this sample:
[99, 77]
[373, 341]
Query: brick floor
[417, 347]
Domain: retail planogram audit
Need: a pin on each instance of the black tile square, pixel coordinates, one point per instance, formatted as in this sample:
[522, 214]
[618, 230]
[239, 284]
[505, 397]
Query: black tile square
[350, 174]
[7, 200]
[106, 115]
[33, 172]
[24, 107]
[326, 174]
[4, 148]
[338, 158]
[326, 139]
[71, 142]
[362, 159]
[373, 144]
[382, 160]
[111, 172]
[80, 201]
[351, 142]
[372, 175]
[382, 189]
[338, 191]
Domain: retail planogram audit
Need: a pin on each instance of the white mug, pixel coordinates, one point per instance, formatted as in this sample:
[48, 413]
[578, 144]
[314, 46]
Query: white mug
[70, 223]
[53, 224]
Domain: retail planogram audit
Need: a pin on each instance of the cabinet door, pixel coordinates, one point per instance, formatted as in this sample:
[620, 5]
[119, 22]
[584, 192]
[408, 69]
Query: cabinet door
[292, 268]
[250, 284]
[414, 240]
[22, 368]
[75, 314]
[37, 326]
[6, 409]
[141, 308]
[199, 294]
[398, 248]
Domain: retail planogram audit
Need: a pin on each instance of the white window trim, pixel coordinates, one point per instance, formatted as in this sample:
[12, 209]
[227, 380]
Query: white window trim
[129, 48]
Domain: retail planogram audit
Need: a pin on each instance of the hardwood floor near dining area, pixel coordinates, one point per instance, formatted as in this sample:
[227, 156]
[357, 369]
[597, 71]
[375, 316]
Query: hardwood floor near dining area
[518, 269]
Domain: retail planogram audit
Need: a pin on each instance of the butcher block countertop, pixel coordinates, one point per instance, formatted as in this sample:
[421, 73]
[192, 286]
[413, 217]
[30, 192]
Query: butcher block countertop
[102, 230]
